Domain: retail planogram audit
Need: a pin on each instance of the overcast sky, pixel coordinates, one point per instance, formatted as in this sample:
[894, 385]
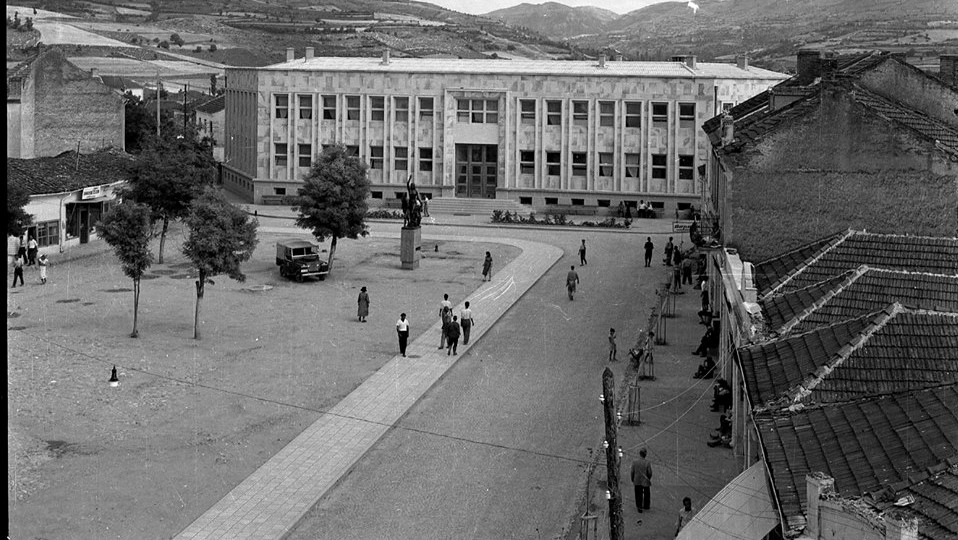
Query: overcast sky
[485, 6]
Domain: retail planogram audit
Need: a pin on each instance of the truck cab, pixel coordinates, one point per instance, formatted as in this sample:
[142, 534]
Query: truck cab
[298, 259]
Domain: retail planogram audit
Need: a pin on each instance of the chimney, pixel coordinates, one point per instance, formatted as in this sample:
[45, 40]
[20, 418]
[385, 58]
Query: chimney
[289, 54]
[690, 61]
[309, 53]
[728, 129]
[948, 68]
[816, 485]
[809, 66]
[829, 65]
[901, 529]
[601, 61]
[385, 61]
[742, 61]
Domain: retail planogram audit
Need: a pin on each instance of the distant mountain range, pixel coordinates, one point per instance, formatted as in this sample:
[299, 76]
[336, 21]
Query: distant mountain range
[554, 19]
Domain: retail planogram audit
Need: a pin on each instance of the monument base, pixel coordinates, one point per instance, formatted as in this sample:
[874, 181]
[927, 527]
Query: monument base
[410, 248]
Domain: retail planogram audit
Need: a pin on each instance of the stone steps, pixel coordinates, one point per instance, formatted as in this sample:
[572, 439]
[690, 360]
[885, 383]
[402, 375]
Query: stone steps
[453, 205]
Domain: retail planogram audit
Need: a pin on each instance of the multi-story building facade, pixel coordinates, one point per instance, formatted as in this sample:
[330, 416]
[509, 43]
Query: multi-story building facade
[538, 132]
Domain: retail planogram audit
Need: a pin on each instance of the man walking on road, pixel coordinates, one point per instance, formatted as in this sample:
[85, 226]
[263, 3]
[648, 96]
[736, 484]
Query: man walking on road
[17, 270]
[571, 280]
[402, 328]
[642, 479]
[444, 306]
[582, 261]
[648, 251]
[452, 335]
[465, 317]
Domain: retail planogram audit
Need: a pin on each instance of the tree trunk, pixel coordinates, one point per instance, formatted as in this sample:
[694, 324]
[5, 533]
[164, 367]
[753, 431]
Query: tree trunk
[332, 252]
[200, 284]
[166, 226]
[136, 306]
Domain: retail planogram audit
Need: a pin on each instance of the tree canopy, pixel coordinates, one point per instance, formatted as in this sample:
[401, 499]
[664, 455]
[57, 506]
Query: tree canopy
[127, 228]
[17, 217]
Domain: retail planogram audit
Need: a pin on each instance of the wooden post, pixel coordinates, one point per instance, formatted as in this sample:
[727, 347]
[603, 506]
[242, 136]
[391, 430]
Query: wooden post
[616, 531]
[632, 409]
[157, 104]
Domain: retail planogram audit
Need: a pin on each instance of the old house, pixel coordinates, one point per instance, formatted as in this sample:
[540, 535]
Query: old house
[210, 122]
[53, 106]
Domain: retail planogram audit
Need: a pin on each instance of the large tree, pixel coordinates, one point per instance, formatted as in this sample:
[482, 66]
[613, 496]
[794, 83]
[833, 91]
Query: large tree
[221, 236]
[127, 228]
[332, 202]
[17, 217]
[169, 174]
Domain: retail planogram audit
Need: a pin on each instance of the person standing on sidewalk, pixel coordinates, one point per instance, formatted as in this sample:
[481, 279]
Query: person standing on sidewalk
[363, 304]
[17, 271]
[648, 251]
[42, 262]
[487, 267]
[465, 319]
[685, 514]
[452, 335]
[612, 347]
[582, 261]
[642, 480]
[669, 248]
[402, 329]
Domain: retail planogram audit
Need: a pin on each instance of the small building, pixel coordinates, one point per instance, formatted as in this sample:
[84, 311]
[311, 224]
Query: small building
[54, 106]
[69, 194]
[210, 122]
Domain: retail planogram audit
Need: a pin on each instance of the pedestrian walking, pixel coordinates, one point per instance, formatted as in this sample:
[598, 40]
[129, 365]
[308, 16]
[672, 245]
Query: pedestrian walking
[685, 514]
[32, 247]
[582, 261]
[363, 304]
[648, 251]
[642, 480]
[17, 270]
[612, 347]
[669, 248]
[677, 256]
[466, 321]
[22, 248]
[42, 262]
[487, 267]
[571, 280]
[425, 206]
[452, 335]
[446, 319]
[676, 280]
[402, 329]
[686, 266]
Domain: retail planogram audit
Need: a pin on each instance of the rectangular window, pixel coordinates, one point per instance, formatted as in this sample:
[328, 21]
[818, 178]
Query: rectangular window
[492, 111]
[633, 114]
[579, 163]
[554, 163]
[305, 107]
[527, 108]
[377, 108]
[477, 111]
[554, 113]
[687, 167]
[425, 108]
[552, 201]
[279, 191]
[606, 164]
[48, 233]
[375, 157]
[580, 113]
[329, 107]
[659, 166]
[305, 155]
[462, 110]
[281, 150]
[527, 162]
[660, 113]
[687, 113]
[632, 165]
[578, 202]
[352, 150]
[352, 107]
[282, 106]
[400, 158]
[607, 113]
[525, 200]
[401, 105]
[425, 159]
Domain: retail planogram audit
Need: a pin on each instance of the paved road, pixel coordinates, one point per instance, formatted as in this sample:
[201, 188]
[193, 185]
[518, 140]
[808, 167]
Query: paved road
[497, 448]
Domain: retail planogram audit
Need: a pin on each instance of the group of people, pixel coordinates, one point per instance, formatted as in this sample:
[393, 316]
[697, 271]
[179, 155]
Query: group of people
[453, 326]
[27, 256]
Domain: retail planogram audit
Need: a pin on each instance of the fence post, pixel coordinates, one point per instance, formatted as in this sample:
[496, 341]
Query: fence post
[633, 410]
[616, 531]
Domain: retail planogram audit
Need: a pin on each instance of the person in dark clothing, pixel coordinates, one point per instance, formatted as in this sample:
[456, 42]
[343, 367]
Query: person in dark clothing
[648, 251]
[642, 480]
[17, 270]
[706, 369]
[669, 248]
[452, 335]
[582, 260]
[571, 280]
[466, 321]
[721, 395]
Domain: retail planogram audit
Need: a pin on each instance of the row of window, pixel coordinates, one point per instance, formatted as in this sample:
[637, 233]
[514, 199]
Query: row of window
[376, 156]
[485, 111]
[606, 164]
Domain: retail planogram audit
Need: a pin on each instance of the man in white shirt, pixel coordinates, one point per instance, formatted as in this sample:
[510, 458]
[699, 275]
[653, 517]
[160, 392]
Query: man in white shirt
[402, 328]
[466, 321]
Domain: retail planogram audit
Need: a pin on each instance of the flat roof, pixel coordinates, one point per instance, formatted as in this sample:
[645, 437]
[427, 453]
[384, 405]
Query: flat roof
[527, 67]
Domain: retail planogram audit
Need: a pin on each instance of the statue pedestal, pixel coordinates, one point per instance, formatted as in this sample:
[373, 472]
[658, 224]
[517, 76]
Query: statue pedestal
[410, 249]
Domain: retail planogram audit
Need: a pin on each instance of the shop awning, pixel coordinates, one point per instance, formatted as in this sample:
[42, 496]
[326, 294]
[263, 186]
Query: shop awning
[742, 510]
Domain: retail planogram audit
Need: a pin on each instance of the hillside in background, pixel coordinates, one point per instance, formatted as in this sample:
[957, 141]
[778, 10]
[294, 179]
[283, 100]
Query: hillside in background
[556, 19]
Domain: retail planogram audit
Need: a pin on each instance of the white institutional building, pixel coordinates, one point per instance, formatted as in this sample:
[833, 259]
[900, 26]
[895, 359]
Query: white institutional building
[539, 132]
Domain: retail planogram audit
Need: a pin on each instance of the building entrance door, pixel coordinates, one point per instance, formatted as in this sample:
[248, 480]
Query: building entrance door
[84, 224]
[477, 168]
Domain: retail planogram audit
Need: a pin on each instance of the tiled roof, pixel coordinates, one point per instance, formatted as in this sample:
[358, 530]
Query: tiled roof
[931, 498]
[914, 120]
[64, 173]
[934, 255]
[756, 125]
[743, 109]
[213, 105]
[771, 270]
[856, 293]
[527, 67]
[864, 445]
[893, 350]
[120, 83]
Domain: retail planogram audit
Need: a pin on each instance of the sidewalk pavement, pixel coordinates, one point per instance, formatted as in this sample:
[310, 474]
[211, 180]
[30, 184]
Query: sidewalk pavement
[675, 425]
[276, 496]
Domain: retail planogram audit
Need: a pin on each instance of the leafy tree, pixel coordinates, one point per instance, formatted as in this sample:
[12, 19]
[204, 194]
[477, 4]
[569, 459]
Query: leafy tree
[17, 217]
[212, 47]
[221, 237]
[140, 123]
[127, 228]
[164, 44]
[332, 202]
[175, 39]
[169, 174]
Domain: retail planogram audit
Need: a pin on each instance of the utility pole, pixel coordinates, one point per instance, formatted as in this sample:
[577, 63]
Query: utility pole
[157, 104]
[616, 525]
[186, 89]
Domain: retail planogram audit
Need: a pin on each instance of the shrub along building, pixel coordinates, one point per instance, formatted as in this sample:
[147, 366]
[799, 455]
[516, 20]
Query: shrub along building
[541, 133]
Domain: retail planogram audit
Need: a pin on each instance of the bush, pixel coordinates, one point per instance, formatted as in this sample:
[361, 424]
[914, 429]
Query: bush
[198, 49]
[163, 44]
[212, 47]
[384, 214]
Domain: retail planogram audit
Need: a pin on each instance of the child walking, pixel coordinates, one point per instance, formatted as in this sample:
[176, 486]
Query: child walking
[43, 262]
[612, 347]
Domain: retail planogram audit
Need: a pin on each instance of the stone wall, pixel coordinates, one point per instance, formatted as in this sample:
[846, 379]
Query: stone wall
[905, 83]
